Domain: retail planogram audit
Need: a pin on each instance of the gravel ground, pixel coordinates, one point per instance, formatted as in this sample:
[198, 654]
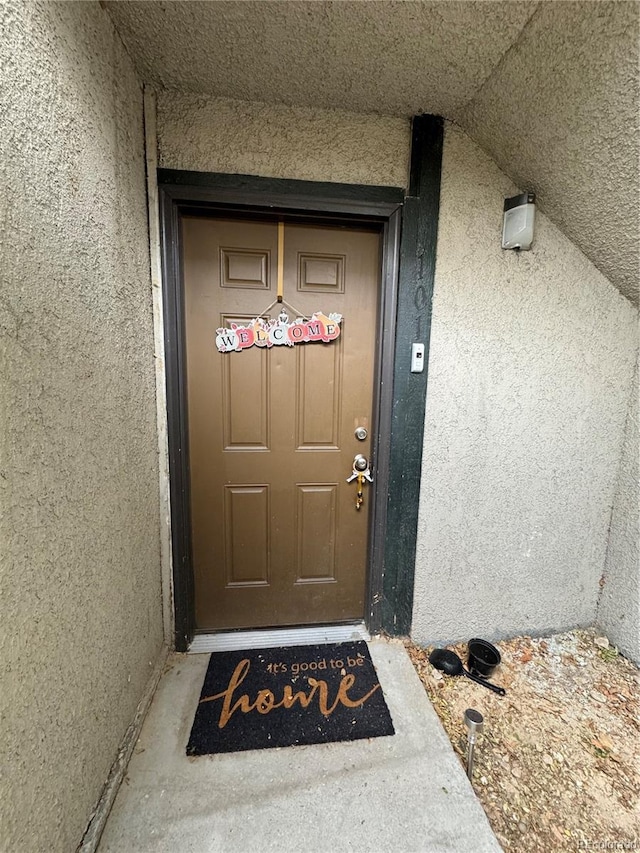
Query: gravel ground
[558, 765]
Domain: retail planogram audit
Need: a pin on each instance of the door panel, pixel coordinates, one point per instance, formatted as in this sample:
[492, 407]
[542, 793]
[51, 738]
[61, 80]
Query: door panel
[276, 538]
[246, 530]
[246, 396]
[318, 411]
[315, 532]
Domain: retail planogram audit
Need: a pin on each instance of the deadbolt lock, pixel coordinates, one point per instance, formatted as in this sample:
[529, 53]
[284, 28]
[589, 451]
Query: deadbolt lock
[361, 433]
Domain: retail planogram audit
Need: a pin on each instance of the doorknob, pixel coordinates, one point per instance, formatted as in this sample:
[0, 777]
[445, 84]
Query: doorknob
[360, 462]
[361, 470]
[360, 473]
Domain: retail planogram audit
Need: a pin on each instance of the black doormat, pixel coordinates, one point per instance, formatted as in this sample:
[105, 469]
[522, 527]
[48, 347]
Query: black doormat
[288, 696]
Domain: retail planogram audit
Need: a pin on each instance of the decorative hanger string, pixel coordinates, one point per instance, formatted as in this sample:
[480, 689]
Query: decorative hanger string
[280, 300]
[280, 285]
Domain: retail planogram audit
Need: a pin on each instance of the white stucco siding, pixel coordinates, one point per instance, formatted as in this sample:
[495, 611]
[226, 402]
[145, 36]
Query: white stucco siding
[80, 618]
[222, 135]
[619, 605]
[560, 115]
[529, 374]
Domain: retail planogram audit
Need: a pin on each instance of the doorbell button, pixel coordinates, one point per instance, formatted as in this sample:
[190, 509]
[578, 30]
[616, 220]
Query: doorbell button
[417, 358]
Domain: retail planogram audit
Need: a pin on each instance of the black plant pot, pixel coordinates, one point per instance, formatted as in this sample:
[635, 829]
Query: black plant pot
[483, 657]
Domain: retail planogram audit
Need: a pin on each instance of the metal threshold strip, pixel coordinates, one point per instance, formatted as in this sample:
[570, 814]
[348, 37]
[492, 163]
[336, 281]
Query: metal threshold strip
[271, 638]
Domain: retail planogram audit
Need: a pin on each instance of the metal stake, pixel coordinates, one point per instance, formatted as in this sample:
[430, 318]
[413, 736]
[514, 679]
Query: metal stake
[474, 722]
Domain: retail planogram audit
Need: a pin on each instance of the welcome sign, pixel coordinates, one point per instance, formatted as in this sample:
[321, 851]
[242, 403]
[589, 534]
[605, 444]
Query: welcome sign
[288, 696]
[279, 332]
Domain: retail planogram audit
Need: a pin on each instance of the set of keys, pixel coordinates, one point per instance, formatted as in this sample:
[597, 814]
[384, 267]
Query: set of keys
[361, 473]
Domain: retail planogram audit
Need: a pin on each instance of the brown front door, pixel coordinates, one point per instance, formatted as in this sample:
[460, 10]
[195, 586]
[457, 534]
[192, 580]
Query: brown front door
[276, 537]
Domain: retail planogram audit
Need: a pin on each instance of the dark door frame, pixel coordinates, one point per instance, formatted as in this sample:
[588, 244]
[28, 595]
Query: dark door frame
[404, 317]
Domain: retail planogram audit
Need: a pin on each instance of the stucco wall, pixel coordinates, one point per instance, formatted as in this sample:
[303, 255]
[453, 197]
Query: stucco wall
[529, 375]
[80, 618]
[559, 114]
[619, 605]
[276, 141]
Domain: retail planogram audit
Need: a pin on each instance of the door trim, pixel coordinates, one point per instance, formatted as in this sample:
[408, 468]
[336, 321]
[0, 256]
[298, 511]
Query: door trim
[407, 272]
[197, 193]
[413, 324]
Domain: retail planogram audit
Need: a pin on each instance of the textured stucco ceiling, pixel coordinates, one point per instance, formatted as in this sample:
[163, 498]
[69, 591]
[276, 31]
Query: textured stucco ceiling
[549, 89]
[374, 56]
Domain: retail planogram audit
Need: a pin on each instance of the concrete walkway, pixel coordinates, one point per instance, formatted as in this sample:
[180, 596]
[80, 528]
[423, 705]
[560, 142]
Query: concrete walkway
[402, 793]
